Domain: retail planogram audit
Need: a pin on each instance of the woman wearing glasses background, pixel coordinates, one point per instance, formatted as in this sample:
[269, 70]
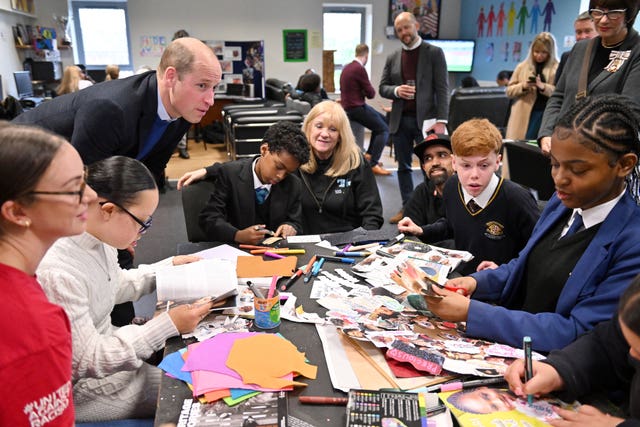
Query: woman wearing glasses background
[613, 64]
[111, 379]
[43, 196]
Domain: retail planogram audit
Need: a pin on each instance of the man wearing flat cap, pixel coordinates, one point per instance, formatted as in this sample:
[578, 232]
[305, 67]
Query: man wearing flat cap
[425, 205]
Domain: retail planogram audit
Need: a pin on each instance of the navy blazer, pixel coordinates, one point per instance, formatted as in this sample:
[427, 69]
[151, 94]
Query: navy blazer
[110, 118]
[232, 205]
[590, 295]
[432, 86]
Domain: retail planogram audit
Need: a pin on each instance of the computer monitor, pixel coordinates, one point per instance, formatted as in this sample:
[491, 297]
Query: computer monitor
[23, 84]
[97, 75]
[458, 54]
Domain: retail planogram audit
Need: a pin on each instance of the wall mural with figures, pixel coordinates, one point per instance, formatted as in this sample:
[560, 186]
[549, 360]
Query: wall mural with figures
[504, 30]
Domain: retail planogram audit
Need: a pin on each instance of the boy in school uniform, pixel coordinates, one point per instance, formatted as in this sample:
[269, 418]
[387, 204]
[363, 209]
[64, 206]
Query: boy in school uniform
[255, 195]
[487, 215]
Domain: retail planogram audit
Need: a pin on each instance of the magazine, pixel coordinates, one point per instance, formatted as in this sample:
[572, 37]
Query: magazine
[486, 406]
[215, 278]
[264, 409]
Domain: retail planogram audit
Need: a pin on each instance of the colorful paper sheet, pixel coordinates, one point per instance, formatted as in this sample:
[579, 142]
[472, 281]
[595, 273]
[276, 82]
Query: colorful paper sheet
[278, 357]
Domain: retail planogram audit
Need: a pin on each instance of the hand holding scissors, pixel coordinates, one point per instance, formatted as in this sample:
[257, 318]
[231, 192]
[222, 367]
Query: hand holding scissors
[461, 285]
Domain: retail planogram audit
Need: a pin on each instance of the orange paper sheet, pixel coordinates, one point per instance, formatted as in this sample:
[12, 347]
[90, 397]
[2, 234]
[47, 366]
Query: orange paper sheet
[255, 266]
[278, 357]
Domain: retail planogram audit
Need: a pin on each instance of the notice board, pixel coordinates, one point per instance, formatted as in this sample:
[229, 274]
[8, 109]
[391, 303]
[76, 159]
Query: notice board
[295, 45]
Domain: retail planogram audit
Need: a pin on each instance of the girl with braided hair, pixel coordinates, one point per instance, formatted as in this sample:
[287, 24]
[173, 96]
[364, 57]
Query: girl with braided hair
[585, 248]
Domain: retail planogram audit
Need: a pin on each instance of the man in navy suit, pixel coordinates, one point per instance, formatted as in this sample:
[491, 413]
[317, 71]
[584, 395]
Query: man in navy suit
[415, 78]
[143, 116]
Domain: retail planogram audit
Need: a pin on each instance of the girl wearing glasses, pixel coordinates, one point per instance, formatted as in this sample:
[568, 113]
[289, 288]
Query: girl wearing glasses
[613, 65]
[81, 273]
[42, 197]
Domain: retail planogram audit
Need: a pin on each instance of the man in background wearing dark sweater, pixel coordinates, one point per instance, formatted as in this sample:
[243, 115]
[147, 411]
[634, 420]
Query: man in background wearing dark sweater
[354, 87]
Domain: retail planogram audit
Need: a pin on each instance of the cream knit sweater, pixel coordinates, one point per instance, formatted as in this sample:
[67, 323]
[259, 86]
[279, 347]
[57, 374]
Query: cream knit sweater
[111, 380]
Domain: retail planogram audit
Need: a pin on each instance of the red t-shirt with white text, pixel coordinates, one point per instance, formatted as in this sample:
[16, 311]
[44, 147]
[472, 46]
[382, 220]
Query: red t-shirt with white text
[35, 355]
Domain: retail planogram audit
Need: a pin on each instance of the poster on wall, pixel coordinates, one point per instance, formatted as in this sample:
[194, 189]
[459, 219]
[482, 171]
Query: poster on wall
[504, 30]
[242, 62]
[427, 13]
[152, 45]
[295, 45]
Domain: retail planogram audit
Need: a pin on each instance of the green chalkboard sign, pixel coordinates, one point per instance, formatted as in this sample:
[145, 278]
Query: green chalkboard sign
[295, 45]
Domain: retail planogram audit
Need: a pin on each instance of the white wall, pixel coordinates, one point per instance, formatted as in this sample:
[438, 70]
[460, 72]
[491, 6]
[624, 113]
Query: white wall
[227, 20]
[265, 20]
[10, 58]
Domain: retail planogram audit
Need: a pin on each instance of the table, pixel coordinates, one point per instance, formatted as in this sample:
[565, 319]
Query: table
[304, 336]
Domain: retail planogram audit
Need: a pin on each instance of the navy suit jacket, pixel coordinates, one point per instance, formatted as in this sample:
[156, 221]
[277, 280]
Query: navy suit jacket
[432, 86]
[590, 294]
[110, 118]
[232, 205]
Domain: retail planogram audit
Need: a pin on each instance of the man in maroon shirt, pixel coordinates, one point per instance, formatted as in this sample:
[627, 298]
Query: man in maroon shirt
[354, 87]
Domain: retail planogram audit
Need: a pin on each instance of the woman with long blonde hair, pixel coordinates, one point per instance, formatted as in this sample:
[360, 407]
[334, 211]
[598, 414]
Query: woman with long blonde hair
[531, 85]
[70, 80]
[339, 189]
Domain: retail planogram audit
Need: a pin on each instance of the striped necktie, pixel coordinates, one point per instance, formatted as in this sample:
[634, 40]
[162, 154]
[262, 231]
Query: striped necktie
[473, 206]
[261, 195]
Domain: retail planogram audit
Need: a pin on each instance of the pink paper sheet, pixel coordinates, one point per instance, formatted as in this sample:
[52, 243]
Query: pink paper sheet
[205, 381]
[211, 355]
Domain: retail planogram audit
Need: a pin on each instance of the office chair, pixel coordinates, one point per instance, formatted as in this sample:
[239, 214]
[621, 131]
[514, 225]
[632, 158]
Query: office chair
[479, 102]
[525, 164]
[194, 199]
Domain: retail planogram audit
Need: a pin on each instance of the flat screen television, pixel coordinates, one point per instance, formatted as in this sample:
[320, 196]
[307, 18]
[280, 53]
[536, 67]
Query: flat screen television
[458, 53]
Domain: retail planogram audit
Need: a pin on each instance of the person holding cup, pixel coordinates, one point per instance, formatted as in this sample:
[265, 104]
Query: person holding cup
[412, 84]
[413, 103]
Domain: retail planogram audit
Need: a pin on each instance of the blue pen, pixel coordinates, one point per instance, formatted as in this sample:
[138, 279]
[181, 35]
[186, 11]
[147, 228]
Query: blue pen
[317, 267]
[339, 259]
[352, 254]
[528, 365]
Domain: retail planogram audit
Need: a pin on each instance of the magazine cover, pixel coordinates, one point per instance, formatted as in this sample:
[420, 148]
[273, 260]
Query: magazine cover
[264, 409]
[491, 407]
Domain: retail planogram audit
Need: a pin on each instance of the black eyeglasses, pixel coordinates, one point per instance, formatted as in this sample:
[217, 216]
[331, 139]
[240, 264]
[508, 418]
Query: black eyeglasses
[144, 225]
[612, 15]
[79, 193]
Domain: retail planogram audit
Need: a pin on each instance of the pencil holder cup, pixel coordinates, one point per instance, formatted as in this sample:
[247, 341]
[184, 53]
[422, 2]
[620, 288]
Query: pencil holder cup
[267, 310]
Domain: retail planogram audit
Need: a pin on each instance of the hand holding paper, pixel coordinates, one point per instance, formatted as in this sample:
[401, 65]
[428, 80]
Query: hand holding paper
[187, 316]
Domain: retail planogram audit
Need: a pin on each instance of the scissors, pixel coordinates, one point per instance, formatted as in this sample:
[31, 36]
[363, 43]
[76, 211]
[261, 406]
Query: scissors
[456, 289]
[447, 287]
